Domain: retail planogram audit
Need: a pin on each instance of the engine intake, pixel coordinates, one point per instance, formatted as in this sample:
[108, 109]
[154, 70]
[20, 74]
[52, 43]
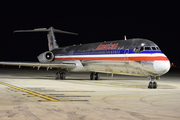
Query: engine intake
[46, 57]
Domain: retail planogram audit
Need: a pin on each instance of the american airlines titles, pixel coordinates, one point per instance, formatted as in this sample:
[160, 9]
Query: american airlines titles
[107, 46]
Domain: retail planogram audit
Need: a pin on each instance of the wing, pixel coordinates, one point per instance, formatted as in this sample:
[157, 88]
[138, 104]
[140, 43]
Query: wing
[38, 65]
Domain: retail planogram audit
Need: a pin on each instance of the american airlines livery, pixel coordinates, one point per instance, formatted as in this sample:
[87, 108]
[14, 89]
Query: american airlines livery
[137, 57]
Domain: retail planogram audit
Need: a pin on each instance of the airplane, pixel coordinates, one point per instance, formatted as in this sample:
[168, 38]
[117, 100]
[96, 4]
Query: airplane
[137, 57]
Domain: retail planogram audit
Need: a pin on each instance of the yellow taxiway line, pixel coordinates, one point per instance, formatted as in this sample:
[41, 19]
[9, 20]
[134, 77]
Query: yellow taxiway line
[30, 92]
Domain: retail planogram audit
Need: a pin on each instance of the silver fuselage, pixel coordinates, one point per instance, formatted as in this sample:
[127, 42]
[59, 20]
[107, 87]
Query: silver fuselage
[139, 57]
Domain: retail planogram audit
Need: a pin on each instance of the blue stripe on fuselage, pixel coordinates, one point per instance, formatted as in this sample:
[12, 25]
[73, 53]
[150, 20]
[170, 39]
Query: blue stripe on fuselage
[103, 52]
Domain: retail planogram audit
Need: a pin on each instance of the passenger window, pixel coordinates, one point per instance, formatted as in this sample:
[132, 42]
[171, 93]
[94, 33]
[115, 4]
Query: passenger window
[147, 48]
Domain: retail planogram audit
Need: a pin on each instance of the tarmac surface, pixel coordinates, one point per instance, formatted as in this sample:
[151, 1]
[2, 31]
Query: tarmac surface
[29, 94]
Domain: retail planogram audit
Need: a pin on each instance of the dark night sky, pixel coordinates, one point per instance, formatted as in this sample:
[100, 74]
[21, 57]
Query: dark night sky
[95, 22]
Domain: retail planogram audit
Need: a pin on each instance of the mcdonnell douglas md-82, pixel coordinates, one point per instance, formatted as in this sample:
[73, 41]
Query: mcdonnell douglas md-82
[137, 57]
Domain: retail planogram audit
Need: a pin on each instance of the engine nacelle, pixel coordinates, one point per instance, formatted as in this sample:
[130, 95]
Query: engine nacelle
[46, 57]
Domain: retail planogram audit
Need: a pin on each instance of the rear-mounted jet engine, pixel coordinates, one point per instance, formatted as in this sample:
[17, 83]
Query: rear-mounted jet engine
[46, 57]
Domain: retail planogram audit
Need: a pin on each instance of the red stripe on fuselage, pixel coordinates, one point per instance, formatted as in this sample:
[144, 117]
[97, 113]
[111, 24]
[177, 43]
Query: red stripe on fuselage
[159, 58]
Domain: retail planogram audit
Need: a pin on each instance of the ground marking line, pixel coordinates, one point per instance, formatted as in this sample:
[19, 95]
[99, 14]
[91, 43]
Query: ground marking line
[30, 92]
[39, 95]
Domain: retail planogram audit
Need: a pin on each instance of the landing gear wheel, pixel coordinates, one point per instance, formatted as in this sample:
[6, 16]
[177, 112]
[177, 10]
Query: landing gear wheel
[92, 76]
[57, 75]
[154, 85]
[150, 85]
[62, 76]
[97, 77]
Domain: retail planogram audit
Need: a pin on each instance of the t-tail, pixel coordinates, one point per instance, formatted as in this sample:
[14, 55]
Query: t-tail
[51, 37]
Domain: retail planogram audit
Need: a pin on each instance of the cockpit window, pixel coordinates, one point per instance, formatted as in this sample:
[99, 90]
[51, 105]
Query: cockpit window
[153, 48]
[140, 49]
[158, 48]
[136, 50]
[147, 48]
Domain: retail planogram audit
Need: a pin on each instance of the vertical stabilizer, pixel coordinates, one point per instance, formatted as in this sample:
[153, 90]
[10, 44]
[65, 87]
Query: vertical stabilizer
[51, 37]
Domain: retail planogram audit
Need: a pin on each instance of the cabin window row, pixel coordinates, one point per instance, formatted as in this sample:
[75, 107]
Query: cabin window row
[95, 52]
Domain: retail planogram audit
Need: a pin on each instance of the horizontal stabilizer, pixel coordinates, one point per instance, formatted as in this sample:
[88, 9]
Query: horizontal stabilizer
[46, 30]
[51, 37]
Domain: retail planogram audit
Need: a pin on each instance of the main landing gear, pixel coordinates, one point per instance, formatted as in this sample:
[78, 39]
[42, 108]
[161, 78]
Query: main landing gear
[152, 83]
[94, 76]
[60, 74]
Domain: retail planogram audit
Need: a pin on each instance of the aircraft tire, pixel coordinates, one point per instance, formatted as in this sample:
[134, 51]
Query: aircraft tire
[92, 76]
[63, 76]
[154, 85]
[150, 85]
[97, 76]
[57, 76]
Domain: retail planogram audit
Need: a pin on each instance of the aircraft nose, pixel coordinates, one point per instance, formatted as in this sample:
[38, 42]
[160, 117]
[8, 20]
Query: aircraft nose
[161, 67]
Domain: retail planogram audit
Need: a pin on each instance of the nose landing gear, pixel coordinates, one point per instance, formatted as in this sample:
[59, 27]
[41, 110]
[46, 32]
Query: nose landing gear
[152, 83]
